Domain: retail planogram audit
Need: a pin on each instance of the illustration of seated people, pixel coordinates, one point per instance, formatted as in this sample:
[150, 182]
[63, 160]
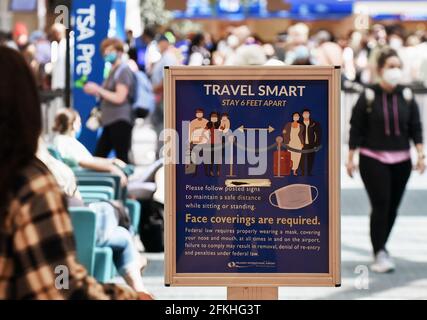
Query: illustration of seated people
[312, 133]
[215, 142]
[293, 140]
[197, 136]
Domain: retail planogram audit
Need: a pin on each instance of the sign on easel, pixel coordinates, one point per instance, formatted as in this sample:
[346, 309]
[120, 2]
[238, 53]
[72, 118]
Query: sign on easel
[252, 177]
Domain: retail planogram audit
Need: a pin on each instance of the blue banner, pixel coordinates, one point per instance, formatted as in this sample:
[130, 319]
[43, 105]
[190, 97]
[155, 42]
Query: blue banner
[239, 10]
[90, 28]
[117, 20]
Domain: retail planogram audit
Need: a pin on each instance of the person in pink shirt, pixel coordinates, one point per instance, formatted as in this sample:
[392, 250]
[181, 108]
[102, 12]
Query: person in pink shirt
[385, 120]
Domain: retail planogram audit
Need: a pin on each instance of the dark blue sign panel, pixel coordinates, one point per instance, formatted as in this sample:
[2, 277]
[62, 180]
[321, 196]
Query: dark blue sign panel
[261, 204]
[252, 176]
[90, 28]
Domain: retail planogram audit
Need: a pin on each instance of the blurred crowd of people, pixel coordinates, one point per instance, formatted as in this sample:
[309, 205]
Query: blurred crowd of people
[157, 47]
[298, 45]
[45, 52]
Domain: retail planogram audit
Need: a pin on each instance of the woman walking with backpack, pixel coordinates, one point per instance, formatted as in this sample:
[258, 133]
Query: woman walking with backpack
[384, 121]
[116, 107]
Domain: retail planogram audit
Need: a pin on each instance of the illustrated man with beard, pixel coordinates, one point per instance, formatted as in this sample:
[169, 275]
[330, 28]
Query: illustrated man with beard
[312, 134]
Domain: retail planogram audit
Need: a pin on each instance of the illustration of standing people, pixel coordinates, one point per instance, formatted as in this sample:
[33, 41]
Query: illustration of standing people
[225, 123]
[197, 134]
[215, 141]
[224, 127]
[293, 138]
[312, 133]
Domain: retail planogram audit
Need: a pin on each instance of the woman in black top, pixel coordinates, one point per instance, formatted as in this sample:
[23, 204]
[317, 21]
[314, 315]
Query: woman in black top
[384, 121]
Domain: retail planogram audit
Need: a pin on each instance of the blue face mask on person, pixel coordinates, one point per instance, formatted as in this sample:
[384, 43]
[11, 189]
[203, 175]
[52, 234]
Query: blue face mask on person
[110, 57]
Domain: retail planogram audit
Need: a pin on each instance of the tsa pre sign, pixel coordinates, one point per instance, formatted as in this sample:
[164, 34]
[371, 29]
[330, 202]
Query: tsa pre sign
[90, 28]
[252, 176]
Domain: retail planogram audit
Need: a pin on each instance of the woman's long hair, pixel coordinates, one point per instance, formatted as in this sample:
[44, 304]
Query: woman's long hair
[20, 121]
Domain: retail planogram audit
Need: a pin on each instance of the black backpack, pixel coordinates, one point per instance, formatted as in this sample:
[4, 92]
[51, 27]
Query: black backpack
[151, 228]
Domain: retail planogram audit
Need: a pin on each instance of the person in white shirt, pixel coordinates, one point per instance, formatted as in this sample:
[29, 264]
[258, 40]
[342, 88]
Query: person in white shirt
[198, 135]
[58, 54]
[197, 128]
[67, 124]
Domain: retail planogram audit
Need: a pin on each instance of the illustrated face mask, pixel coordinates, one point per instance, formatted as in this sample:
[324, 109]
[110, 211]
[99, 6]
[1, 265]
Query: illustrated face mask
[294, 196]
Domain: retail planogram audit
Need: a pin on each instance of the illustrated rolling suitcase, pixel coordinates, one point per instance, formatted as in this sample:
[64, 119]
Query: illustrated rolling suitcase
[282, 163]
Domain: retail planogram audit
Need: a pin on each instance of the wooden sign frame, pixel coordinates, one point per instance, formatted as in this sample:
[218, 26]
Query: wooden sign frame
[333, 277]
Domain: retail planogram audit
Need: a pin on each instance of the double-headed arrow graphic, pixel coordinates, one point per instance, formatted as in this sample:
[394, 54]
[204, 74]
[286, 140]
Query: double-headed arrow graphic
[270, 129]
[242, 128]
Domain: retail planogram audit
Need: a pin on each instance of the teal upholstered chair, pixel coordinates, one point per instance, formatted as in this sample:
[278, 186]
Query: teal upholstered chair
[108, 191]
[134, 208]
[97, 260]
[84, 223]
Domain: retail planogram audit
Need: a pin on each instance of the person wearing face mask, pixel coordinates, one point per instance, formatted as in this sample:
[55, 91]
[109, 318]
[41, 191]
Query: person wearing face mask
[67, 125]
[197, 127]
[116, 109]
[293, 137]
[384, 121]
[197, 134]
[36, 233]
[395, 42]
[215, 142]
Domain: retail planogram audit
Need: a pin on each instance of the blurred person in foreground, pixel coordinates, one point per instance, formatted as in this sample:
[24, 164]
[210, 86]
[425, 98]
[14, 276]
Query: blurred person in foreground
[36, 235]
[109, 232]
[384, 121]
